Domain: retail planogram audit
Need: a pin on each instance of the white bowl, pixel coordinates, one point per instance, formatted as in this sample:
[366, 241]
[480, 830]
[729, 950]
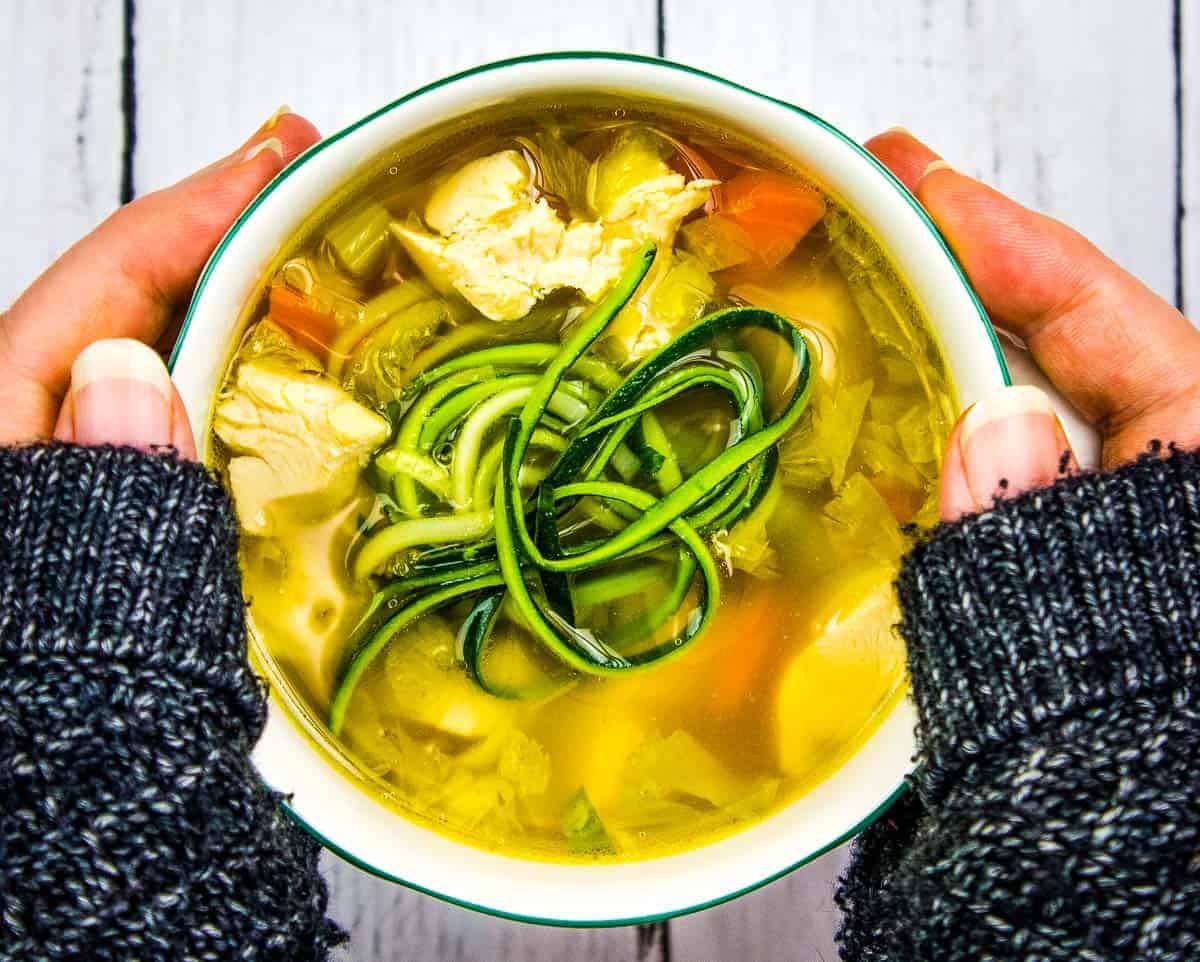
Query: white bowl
[323, 797]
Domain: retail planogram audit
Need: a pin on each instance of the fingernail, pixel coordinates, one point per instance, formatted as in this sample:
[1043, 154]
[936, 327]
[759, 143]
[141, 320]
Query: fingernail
[274, 118]
[938, 164]
[273, 144]
[1011, 442]
[121, 393]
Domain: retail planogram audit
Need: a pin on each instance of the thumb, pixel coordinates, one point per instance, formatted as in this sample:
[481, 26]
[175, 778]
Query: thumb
[1006, 444]
[121, 394]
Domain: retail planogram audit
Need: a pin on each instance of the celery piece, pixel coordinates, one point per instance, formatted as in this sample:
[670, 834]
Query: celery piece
[584, 831]
[717, 242]
[636, 156]
[359, 241]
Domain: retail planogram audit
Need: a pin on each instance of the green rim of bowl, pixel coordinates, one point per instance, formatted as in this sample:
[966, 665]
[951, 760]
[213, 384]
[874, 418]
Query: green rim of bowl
[665, 65]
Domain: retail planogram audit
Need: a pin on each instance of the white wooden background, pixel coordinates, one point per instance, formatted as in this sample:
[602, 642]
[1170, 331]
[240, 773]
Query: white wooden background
[1088, 109]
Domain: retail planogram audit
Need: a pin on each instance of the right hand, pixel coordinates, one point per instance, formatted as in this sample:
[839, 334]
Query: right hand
[1124, 357]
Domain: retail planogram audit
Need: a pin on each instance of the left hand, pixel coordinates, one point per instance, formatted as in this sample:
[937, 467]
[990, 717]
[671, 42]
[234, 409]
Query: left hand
[129, 280]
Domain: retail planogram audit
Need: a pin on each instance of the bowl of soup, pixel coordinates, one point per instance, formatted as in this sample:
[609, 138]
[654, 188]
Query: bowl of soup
[576, 410]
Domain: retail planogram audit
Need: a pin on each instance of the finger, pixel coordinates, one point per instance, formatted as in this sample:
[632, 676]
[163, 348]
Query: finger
[902, 154]
[1006, 444]
[1124, 357]
[121, 394]
[130, 276]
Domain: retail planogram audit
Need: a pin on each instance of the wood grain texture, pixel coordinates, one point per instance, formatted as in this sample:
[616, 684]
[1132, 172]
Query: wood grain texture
[392, 924]
[1189, 175]
[1066, 105]
[60, 169]
[209, 73]
[794, 918]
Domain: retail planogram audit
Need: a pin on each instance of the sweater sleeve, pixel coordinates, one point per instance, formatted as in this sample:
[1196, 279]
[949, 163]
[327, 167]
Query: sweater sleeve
[1054, 649]
[132, 824]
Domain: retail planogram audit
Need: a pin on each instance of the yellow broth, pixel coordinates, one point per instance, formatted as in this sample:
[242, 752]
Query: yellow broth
[800, 663]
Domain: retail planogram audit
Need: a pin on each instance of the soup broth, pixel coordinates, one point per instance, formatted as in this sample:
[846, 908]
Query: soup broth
[469, 392]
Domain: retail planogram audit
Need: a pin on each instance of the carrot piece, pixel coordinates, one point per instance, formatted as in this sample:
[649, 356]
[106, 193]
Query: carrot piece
[774, 210]
[291, 310]
[741, 646]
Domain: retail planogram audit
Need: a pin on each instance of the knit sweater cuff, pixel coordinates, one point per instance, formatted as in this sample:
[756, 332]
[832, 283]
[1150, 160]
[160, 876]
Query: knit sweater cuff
[126, 557]
[1064, 602]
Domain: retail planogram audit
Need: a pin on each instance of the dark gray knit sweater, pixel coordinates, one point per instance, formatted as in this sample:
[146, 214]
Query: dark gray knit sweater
[132, 826]
[1054, 649]
[1054, 646]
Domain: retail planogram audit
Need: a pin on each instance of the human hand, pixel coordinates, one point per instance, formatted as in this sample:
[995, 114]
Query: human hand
[1124, 357]
[75, 355]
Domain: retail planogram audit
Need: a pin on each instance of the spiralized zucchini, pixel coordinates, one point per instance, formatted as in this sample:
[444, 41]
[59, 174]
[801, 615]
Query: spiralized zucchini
[486, 517]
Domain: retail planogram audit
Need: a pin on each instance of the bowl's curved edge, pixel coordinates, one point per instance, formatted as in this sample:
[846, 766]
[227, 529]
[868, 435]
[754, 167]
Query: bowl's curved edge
[882, 170]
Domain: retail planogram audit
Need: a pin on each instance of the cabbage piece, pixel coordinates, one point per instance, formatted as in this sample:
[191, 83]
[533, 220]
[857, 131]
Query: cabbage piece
[878, 295]
[635, 157]
[293, 433]
[379, 367]
[717, 242]
[679, 767]
[881, 454]
[560, 170]
[429, 688]
[747, 547]
[861, 520]
[832, 687]
[268, 341]
[919, 437]
[468, 798]
[675, 292]
[386, 749]
[900, 371]
[819, 448]
[524, 764]
[583, 828]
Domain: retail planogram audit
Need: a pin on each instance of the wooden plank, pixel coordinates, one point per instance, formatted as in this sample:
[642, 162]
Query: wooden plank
[392, 924]
[210, 73]
[1188, 65]
[793, 918]
[1065, 105]
[60, 172]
